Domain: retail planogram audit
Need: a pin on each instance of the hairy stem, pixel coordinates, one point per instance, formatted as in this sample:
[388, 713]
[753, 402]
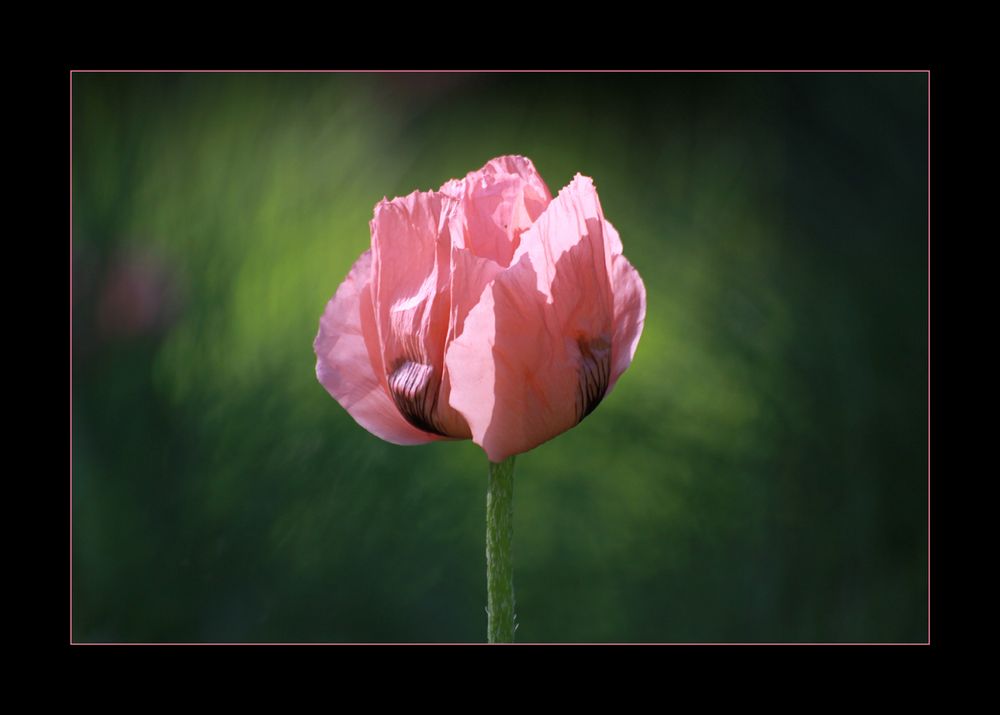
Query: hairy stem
[499, 565]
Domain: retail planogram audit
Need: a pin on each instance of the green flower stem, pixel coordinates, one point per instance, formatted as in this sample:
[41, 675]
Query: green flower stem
[499, 565]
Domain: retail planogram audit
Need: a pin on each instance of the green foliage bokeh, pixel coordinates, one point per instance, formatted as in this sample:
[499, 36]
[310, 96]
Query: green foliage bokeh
[759, 473]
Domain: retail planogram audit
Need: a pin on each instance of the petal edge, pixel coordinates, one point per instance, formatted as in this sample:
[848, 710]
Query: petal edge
[349, 370]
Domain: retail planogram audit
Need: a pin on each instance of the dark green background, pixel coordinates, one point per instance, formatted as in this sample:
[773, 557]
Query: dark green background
[759, 473]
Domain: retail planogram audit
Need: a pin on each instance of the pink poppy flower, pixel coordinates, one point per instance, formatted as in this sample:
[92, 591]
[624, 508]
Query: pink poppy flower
[487, 309]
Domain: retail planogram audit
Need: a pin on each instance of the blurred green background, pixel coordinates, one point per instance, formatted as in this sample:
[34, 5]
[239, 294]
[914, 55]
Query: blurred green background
[759, 473]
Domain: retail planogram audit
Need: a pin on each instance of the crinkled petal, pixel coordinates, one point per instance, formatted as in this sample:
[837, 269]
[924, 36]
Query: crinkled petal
[412, 277]
[352, 373]
[568, 242]
[614, 240]
[630, 313]
[521, 167]
[471, 275]
[511, 376]
[535, 355]
[499, 202]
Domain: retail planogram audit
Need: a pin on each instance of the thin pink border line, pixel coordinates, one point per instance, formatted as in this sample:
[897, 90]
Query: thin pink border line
[500, 645]
[75, 71]
[928, 358]
[495, 71]
[70, 357]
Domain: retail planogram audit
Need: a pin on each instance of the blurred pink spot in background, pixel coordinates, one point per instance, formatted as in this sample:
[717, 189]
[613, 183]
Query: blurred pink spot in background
[138, 296]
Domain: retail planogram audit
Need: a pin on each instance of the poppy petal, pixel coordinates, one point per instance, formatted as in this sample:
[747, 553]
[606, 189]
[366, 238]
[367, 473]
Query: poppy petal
[350, 371]
[411, 286]
[630, 313]
[535, 354]
[499, 203]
